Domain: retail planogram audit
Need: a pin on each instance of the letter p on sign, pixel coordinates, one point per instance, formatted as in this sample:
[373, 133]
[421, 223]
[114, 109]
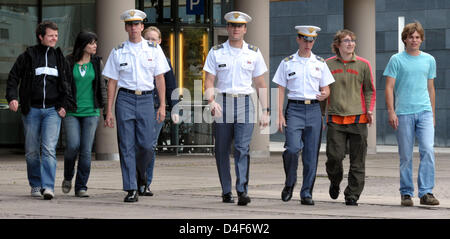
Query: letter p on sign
[195, 7]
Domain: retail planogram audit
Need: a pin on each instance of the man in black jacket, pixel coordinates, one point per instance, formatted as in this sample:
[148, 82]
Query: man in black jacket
[44, 96]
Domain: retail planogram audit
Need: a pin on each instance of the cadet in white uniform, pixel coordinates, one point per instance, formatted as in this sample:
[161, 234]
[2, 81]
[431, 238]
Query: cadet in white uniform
[237, 65]
[132, 66]
[306, 76]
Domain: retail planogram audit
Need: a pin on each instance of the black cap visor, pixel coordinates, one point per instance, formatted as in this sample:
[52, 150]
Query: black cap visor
[133, 22]
[307, 38]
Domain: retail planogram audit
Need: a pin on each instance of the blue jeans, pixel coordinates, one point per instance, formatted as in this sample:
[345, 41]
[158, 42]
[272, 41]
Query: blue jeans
[135, 133]
[418, 125]
[158, 127]
[80, 134]
[41, 128]
[303, 132]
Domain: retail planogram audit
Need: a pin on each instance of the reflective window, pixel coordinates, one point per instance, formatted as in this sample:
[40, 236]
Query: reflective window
[221, 7]
[72, 16]
[153, 7]
[18, 20]
[193, 51]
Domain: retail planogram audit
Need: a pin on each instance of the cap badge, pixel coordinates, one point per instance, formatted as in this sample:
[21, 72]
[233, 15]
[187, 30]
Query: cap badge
[236, 15]
[132, 13]
[311, 29]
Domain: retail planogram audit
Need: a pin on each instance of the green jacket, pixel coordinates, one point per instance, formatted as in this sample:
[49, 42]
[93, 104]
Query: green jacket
[353, 92]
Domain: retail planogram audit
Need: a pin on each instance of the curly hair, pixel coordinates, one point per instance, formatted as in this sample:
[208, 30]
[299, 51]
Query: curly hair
[337, 39]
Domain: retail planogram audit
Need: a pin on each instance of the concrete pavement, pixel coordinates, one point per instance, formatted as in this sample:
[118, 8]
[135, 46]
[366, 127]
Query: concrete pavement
[187, 187]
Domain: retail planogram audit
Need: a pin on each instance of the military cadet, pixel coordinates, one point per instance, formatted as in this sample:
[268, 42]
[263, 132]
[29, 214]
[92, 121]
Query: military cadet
[237, 65]
[132, 66]
[306, 76]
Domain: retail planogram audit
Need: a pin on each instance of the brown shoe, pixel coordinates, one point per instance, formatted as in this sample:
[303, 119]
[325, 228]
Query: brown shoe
[407, 201]
[429, 199]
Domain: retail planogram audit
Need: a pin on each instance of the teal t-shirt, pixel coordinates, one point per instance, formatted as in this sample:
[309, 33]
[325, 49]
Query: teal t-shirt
[83, 76]
[411, 74]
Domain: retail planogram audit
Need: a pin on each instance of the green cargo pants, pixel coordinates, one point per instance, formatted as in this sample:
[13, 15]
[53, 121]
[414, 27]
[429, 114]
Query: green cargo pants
[337, 137]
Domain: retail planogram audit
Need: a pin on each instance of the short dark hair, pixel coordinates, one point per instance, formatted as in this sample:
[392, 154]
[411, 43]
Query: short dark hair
[83, 38]
[41, 29]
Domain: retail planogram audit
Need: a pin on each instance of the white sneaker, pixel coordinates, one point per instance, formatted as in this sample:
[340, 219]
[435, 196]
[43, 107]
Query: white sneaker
[36, 192]
[48, 194]
[66, 186]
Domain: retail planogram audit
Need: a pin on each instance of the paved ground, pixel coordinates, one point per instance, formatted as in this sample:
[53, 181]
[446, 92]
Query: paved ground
[187, 187]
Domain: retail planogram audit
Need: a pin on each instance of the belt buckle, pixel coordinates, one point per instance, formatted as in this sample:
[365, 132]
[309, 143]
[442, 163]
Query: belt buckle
[235, 95]
[138, 92]
[307, 102]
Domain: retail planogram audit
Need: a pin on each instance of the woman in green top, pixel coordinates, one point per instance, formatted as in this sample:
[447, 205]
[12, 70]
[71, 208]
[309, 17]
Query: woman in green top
[89, 89]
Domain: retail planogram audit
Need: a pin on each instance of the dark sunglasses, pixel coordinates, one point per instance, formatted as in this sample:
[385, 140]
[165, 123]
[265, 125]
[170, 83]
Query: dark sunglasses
[306, 38]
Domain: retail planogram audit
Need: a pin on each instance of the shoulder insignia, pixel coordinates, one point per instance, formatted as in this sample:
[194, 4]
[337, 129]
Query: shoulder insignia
[120, 46]
[217, 47]
[320, 59]
[151, 44]
[288, 58]
[252, 47]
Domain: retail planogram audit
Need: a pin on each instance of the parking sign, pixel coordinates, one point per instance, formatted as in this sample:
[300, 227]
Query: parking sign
[195, 7]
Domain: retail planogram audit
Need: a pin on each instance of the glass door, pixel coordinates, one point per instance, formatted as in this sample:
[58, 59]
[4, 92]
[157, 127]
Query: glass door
[186, 27]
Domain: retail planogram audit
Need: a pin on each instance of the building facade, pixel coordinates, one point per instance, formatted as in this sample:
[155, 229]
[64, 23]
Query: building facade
[434, 15]
[191, 27]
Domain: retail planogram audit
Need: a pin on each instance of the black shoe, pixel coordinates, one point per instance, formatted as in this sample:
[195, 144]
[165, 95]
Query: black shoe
[243, 199]
[351, 202]
[286, 194]
[141, 190]
[334, 191]
[227, 198]
[132, 196]
[147, 192]
[307, 201]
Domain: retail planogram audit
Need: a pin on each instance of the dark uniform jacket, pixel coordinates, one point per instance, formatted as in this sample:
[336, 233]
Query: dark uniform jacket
[171, 85]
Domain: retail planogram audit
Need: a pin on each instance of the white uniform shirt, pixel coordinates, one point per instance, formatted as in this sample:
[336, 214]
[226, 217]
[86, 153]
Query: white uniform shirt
[235, 72]
[303, 77]
[136, 68]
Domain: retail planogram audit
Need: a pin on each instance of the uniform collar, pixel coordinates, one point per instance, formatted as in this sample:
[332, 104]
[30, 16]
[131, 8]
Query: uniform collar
[228, 47]
[297, 57]
[144, 45]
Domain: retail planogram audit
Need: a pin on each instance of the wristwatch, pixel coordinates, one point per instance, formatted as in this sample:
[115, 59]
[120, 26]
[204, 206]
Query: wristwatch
[266, 109]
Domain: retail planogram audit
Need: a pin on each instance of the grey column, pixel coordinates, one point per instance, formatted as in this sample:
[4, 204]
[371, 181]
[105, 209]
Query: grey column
[111, 32]
[258, 34]
[359, 17]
